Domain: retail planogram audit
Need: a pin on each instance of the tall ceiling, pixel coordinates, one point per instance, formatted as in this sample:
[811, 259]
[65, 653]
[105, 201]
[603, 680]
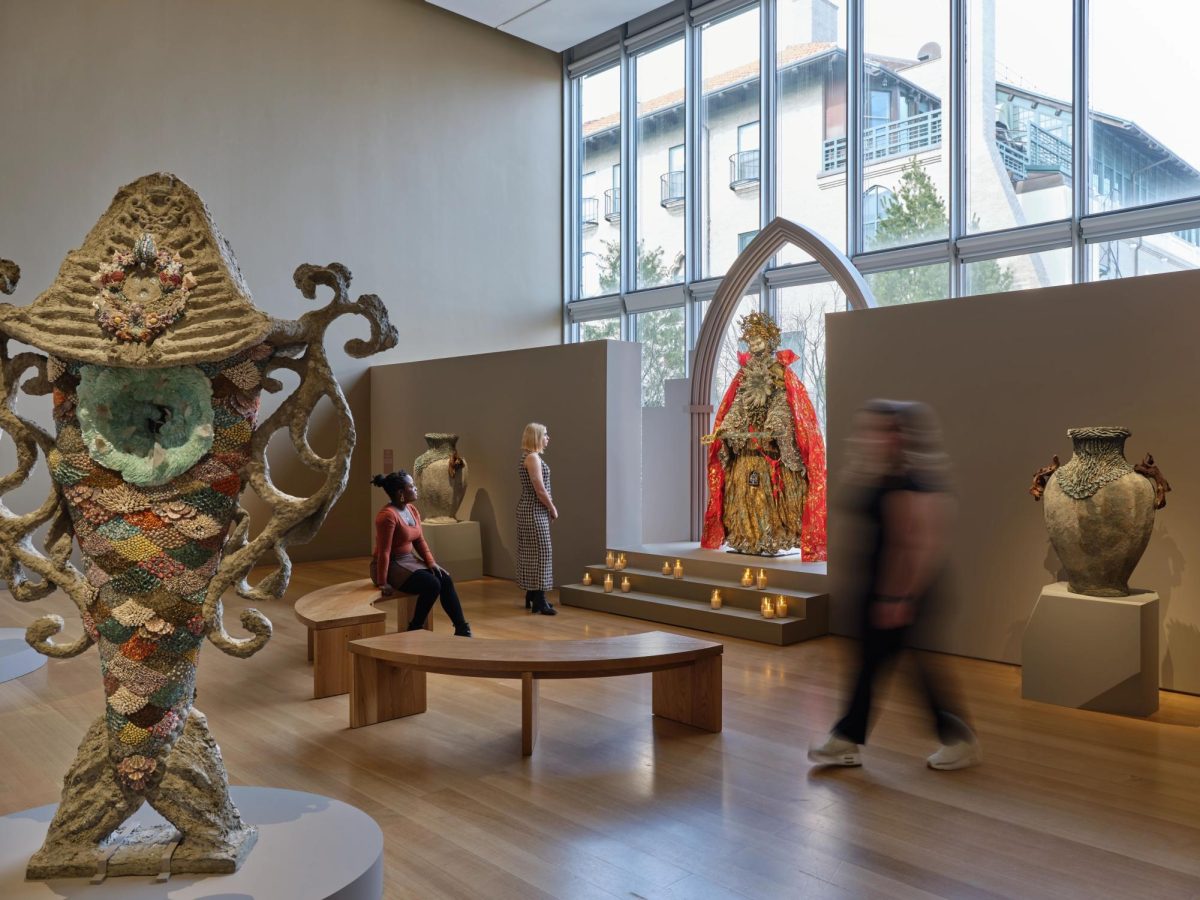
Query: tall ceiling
[554, 24]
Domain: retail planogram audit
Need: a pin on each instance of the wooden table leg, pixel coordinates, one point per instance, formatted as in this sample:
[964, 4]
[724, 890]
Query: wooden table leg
[331, 656]
[529, 713]
[379, 692]
[690, 694]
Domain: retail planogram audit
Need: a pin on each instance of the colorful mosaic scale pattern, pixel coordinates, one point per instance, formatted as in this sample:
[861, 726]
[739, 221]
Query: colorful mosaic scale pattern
[150, 553]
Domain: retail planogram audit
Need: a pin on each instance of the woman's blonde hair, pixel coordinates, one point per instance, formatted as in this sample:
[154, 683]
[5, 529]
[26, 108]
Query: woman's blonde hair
[531, 440]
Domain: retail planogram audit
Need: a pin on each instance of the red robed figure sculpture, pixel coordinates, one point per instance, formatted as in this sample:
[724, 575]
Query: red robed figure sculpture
[766, 461]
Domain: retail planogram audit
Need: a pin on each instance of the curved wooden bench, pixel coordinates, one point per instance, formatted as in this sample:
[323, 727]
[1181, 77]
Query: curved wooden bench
[388, 672]
[336, 615]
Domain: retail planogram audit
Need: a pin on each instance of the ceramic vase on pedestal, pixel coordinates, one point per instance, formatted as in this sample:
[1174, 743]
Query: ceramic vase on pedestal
[1100, 510]
[441, 478]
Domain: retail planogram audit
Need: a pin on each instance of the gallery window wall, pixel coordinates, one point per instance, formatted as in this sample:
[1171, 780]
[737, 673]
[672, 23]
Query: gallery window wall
[950, 147]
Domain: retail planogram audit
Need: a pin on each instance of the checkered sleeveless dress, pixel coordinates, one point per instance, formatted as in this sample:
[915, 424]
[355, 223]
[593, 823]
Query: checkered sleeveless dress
[535, 561]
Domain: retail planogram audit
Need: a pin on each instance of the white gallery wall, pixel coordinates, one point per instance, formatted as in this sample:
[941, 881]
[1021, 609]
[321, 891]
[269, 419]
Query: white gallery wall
[587, 396]
[1009, 374]
[419, 148]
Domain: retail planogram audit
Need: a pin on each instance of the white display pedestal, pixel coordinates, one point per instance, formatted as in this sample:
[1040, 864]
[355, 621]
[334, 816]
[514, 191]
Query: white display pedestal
[308, 847]
[457, 548]
[1097, 653]
[17, 658]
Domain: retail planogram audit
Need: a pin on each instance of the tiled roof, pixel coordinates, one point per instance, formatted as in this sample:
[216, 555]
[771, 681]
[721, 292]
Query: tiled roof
[789, 56]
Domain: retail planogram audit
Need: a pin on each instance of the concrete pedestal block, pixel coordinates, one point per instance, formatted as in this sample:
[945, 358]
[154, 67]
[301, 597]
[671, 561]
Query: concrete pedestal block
[1097, 653]
[457, 548]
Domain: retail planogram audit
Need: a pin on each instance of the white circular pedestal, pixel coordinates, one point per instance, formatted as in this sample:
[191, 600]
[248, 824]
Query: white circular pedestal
[308, 847]
[17, 658]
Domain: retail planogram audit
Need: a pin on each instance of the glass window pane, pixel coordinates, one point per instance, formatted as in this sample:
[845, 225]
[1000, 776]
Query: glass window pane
[727, 356]
[660, 175]
[661, 335]
[1019, 273]
[810, 57]
[599, 204]
[1142, 149]
[1149, 254]
[907, 76]
[600, 330]
[729, 113]
[912, 285]
[802, 312]
[1019, 90]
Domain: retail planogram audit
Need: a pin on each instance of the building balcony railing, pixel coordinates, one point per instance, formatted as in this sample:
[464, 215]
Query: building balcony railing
[1034, 150]
[671, 189]
[899, 138]
[589, 211]
[612, 204]
[743, 170]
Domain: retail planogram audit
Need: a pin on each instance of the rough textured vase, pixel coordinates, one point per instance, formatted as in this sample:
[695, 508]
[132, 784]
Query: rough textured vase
[1099, 513]
[441, 478]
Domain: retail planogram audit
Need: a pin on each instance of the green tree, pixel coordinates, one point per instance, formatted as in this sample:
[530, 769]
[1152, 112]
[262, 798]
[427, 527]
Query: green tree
[918, 213]
[660, 332]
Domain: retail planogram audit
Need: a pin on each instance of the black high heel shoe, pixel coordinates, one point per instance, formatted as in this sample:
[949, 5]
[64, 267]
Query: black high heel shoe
[542, 605]
[529, 595]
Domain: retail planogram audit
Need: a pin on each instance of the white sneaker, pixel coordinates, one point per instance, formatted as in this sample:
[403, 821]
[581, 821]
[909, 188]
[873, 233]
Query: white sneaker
[835, 751]
[959, 755]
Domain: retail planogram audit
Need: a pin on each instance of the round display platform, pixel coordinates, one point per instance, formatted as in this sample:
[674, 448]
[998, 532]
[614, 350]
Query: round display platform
[308, 847]
[17, 658]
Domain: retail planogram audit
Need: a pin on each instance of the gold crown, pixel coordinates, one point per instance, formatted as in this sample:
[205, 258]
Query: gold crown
[758, 324]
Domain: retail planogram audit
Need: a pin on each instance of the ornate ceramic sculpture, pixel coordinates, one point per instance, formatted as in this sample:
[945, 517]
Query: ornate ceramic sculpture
[441, 478]
[155, 357]
[1100, 510]
[766, 463]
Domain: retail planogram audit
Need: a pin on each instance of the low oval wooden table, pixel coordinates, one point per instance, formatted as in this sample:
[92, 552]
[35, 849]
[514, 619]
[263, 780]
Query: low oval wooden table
[338, 614]
[388, 672]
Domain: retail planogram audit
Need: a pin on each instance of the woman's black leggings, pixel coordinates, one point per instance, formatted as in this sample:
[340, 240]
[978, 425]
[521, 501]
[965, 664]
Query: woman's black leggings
[428, 585]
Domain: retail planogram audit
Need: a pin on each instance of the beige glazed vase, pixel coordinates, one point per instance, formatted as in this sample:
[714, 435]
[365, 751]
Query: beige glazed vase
[1100, 510]
[441, 478]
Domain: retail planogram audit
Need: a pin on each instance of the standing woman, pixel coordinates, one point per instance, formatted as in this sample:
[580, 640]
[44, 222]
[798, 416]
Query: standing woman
[403, 561]
[535, 512]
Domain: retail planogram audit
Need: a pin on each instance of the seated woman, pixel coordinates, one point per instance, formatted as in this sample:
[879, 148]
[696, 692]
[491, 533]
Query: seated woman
[402, 559]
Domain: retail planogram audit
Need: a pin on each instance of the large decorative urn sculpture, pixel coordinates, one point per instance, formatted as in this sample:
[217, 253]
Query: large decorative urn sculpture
[441, 478]
[1100, 510]
[155, 357]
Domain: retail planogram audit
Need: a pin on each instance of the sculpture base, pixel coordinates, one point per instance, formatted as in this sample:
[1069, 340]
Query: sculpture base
[136, 850]
[294, 829]
[17, 658]
[457, 548]
[780, 555]
[1097, 653]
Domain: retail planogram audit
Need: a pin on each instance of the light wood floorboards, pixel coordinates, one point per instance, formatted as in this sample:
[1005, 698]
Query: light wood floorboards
[616, 804]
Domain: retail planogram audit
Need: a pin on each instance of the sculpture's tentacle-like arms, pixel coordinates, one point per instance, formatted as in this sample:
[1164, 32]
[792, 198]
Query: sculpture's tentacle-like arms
[18, 556]
[299, 347]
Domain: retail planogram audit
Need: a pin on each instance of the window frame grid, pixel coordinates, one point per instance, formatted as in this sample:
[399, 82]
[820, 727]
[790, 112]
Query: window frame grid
[960, 249]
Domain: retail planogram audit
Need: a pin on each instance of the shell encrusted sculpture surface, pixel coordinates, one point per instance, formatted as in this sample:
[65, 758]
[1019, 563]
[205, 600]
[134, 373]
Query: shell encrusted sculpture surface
[155, 357]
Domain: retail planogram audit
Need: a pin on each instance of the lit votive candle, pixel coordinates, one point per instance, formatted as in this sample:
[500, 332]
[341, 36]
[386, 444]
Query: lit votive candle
[625, 585]
[587, 578]
[608, 584]
[610, 560]
[621, 562]
[768, 608]
[678, 570]
[666, 567]
[747, 578]
[781, 606]
[762, 580]
[715, 600]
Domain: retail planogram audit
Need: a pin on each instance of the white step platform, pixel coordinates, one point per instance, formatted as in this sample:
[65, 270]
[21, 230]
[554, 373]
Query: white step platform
[309, 848]
[17, 658]
[684, 602]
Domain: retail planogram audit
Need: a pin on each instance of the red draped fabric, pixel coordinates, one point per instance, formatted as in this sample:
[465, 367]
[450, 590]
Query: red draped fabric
[812, 452]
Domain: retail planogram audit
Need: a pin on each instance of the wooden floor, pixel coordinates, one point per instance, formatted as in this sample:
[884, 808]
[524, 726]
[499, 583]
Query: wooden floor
[615, 804]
